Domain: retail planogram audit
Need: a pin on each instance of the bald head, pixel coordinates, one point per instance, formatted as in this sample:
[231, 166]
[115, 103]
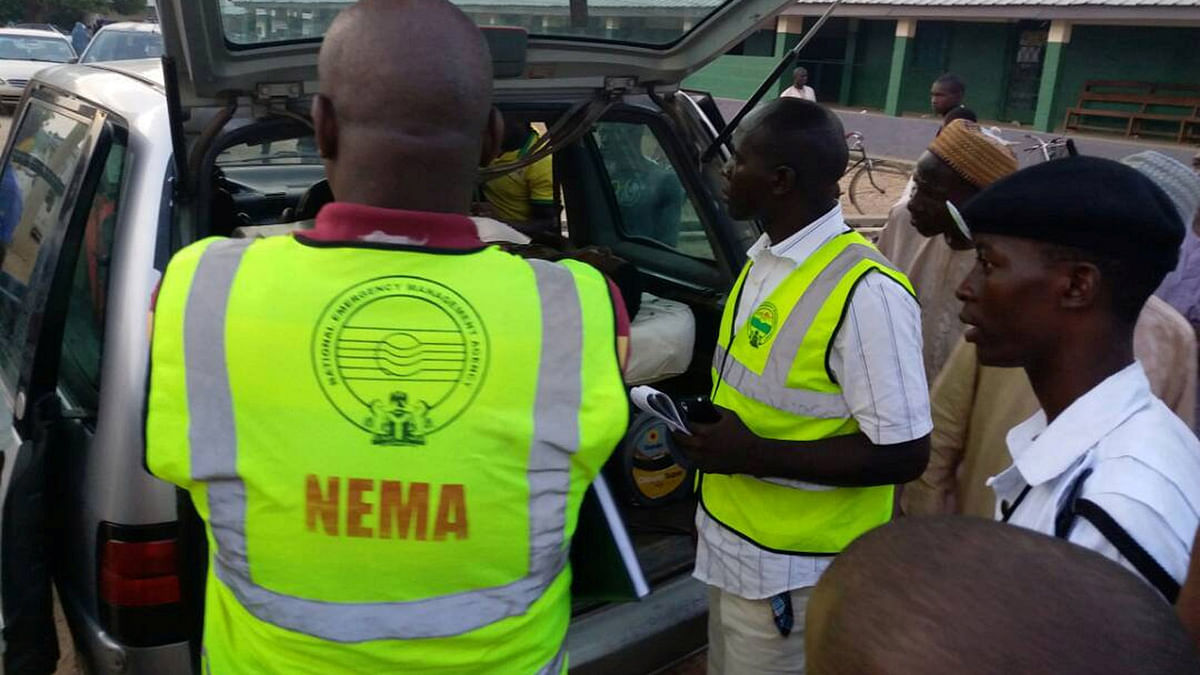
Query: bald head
[965, 595]
[406, 88]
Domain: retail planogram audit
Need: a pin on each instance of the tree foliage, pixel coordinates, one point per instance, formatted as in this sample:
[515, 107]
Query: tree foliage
[64, 12]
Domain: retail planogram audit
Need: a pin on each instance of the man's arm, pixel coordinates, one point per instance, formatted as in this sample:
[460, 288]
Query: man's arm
[951, 402]
[539, 181]
[844, 461]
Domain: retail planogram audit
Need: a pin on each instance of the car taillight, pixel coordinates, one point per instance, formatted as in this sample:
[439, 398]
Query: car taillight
[141, 590]
[140, 573]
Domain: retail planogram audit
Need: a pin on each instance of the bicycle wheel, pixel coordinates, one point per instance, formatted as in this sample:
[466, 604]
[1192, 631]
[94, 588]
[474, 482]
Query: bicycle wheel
[875, 186]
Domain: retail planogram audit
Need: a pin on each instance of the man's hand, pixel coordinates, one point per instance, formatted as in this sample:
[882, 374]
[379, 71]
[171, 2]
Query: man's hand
[719, 447]
[852, 460]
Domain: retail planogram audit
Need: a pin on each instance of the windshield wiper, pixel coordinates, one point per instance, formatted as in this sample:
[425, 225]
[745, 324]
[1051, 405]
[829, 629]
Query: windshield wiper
[788, 59]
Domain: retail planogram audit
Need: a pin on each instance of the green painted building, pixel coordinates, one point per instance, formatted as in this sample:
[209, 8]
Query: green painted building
[1023, 62]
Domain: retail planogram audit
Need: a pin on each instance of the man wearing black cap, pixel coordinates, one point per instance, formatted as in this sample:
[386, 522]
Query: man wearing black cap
[1068, 252]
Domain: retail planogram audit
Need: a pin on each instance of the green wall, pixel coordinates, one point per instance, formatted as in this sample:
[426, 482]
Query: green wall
[732, 76]
[872, 63]
[980, 53]
[977, 52]
[1152, 54]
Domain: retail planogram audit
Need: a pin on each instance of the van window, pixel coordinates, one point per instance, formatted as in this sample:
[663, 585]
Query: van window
[83, 332]
[48, 149]
[650, 196]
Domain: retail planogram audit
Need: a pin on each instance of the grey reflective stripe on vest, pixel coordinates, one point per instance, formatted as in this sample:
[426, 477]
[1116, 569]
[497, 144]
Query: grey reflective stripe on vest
[771, 387]
[212, 437]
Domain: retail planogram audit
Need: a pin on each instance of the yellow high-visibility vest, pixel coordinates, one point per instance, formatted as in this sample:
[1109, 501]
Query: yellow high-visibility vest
[774, 375]
[389, 449]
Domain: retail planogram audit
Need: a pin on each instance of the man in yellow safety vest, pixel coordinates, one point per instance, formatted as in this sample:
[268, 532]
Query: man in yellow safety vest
[386, 425]
[820, 385]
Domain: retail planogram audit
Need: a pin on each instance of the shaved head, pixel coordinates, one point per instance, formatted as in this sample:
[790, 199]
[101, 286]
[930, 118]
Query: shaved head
[951, 595]
[404, 109]
[805, 136]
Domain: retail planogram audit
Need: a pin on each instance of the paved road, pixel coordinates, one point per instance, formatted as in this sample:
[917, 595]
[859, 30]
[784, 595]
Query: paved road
[906, 137]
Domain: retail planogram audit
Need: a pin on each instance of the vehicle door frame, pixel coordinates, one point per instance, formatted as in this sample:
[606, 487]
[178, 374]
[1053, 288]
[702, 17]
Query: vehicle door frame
[35, 400]
[729, 248]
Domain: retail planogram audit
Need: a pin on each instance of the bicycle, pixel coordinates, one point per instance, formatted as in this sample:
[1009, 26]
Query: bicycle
[1054, 148]
[895, 173]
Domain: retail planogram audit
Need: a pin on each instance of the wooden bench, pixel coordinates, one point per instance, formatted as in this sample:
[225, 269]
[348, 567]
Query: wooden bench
[1146, 108]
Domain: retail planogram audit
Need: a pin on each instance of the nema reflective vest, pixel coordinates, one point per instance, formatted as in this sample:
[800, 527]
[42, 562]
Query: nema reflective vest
[774, 374]
[389, 449]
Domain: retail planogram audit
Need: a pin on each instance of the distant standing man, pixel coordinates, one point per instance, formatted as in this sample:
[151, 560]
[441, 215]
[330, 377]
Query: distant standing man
[80, 37]
[820, 388]
[1069, 251]
[800, 88]
[386, 425]
[946, 96]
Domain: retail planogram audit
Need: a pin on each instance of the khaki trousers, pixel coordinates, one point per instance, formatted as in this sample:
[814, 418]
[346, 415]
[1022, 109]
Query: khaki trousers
[743, 639]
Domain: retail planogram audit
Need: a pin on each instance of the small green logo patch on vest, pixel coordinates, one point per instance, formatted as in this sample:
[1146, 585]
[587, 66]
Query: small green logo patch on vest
[762, 324]
[400, 357]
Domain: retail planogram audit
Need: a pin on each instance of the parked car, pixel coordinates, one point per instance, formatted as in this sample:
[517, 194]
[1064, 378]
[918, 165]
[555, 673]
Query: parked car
[39, 26]
[124, 42]
[118, 168]
[25, 51]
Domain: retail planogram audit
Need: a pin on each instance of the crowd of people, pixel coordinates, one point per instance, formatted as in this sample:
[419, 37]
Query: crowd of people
[1020, 346]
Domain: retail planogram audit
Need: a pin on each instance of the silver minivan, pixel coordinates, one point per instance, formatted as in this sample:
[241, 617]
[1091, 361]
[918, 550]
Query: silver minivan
[111, 167]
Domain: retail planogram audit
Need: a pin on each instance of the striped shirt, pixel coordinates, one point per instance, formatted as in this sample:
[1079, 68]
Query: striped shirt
[877, 359]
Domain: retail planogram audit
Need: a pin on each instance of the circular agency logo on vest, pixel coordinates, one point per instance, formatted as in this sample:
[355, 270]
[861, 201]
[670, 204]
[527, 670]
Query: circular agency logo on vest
[762, 324]
[400, 357]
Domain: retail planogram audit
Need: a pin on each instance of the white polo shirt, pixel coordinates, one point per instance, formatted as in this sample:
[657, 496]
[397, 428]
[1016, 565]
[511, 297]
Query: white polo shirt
[1145, 466]
[876, 357]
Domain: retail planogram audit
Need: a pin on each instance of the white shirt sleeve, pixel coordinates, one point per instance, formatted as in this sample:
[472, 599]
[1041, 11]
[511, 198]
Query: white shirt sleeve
[1147, 528]
[877, 360]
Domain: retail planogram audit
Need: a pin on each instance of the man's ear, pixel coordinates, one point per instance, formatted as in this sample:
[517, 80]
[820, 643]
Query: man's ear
[1082, 288]
[783, 180]
[493, 137]
[325, 127]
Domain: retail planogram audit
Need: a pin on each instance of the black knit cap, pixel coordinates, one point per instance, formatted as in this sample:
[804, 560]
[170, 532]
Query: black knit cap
[1092, 204]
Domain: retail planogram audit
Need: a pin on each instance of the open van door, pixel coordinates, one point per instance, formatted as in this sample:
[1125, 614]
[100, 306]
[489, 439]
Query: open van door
[45, 167]
[268, 50]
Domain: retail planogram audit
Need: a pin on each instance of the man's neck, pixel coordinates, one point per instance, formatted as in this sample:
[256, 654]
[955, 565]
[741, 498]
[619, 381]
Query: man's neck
[404, 190]
[792, 219]
[1061, 379]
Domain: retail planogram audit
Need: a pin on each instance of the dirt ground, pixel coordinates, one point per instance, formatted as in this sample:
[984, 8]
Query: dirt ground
[68, 664]
[873, 203]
